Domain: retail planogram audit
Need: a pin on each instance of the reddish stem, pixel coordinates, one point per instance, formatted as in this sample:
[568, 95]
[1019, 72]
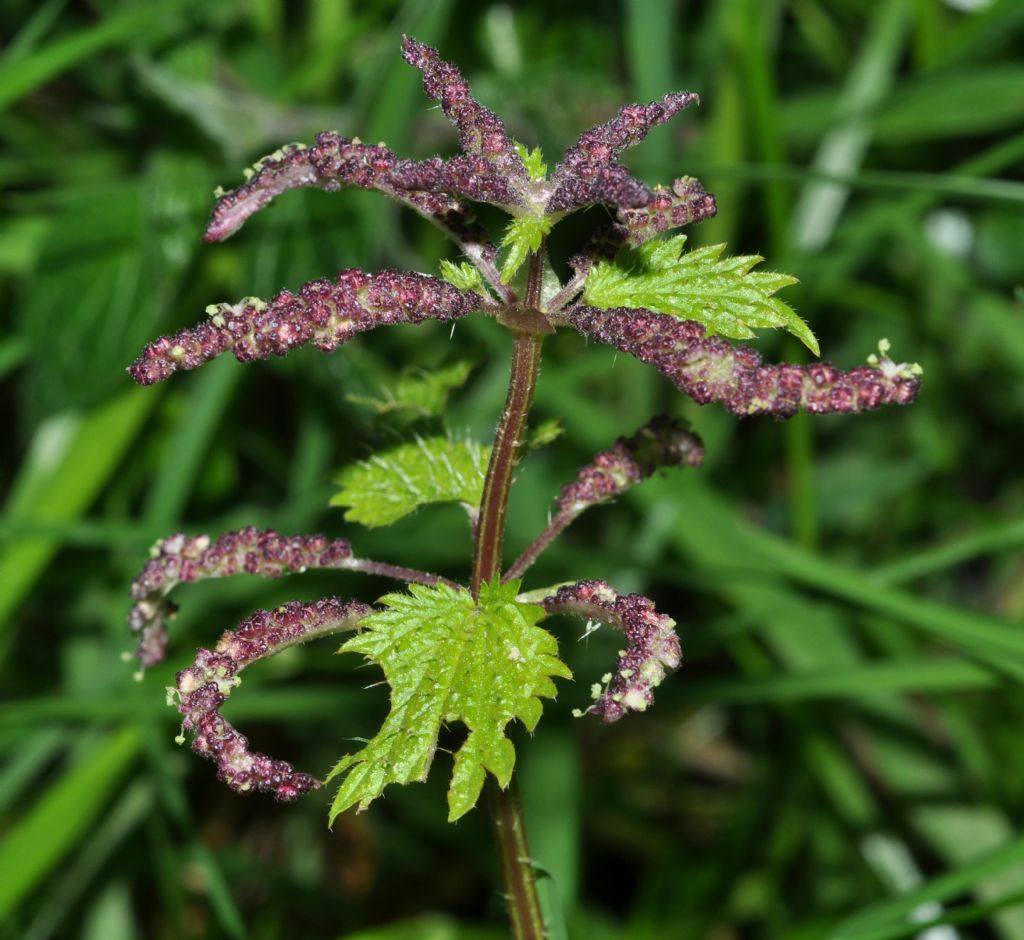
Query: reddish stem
[490, 531]
[558, 524]
[506, 816]
[398, 572]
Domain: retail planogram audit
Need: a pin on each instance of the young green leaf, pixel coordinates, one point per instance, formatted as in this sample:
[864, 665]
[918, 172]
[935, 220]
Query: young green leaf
[522, 236]
[722, 294]
[396, 482]
[449, 658]
[548, 431]
[462, 276]
[422, 394]
[533, 160]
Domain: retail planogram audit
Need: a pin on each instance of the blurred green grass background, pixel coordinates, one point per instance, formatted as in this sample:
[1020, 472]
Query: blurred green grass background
[840, 755]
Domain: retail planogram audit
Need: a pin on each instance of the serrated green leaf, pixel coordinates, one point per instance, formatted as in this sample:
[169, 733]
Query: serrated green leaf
[462, 276]
[544, 433]
[448, 658]
[396, 482]
[522, 236]
[533, 160]
[723, 294]
[423, 394]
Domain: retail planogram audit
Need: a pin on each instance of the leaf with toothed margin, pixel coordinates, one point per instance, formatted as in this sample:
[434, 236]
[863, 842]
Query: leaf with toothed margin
[418, 393]
[396, 482]
[722, 294]
[462, 276]
[547, 432]
[449, 658]
[522, 236]
[533, 160]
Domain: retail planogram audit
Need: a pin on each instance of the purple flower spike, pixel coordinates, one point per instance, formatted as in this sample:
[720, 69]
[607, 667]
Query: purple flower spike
[204, 687]
[481, 132]
[712, 369]
[181, 559]
[324, 313]
[470, 175]
[662, 442]
[652, 644]
[686, 202]
[604, 143]
[336, 161]
[590, 171]
[592, 183]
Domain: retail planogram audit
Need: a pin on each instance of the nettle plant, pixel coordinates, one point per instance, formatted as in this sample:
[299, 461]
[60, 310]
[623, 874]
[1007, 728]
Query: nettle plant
[476, 653]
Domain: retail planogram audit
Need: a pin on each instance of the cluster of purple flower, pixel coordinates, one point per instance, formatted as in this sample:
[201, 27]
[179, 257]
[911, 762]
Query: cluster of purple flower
[684, 204]
[327, 313]
[180, 559]
[662, 442]
[491, 169]
[652, 646]
[324, 313]
[205, 686]
[590, 172]
[709, 368]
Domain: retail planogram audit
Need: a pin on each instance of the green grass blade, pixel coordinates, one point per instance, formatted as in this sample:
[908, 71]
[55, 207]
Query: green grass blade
[208, 398]
[962, 914]
[72, 459]
[110, 915]
[844, 147]
[62, 816]
[961, 184]
[650, 33]
[858, 682]
[941, 888]
[135, 25]
[195, 853]
[38, 25]
[994, 539]
[27, 760]
[552, 802]
[726, 127]
[728, 541]
[270, 704]
[75, 878]
[977, 100]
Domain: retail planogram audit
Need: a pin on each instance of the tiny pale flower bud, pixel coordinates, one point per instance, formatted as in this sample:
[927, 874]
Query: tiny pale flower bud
[652, 645]
[205, 686]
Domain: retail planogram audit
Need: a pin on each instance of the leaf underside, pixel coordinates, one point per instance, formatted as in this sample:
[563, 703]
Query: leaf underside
[448, 658]
[723, 294]
[395, 482]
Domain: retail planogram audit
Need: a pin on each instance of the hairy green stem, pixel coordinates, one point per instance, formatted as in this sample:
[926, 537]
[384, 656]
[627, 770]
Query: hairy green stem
[516, 865]
[509, 830]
